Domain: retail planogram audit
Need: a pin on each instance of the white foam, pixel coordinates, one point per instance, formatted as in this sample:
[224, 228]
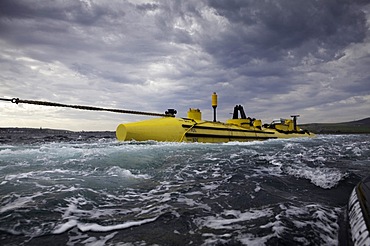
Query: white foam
[276, 226]
[322, 220]
[248, 143]
[210, 186]
[65, 227]
[19, 151]
[275, 170]
[252, 240]
[84, 227]
[18, 202]
[125, 173]
[148, 210]
[233, 156]
[220, 222]
[257, 189]
[6, 151]
[102, 241]
[276, 163]
[289, 146]
[99, 228]
[45, 174]
[323, 177]
[357, 151]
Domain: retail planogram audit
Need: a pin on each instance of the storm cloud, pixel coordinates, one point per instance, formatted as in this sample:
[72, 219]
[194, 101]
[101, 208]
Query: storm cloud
[275, 57]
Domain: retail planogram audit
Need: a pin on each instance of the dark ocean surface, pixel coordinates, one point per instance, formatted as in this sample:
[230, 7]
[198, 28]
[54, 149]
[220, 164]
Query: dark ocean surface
[89, 189]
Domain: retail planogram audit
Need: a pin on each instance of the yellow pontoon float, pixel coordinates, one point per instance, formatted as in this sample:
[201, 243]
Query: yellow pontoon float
[194, 129]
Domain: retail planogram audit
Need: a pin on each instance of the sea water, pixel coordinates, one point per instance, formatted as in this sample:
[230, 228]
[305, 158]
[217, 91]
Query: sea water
[94, 190]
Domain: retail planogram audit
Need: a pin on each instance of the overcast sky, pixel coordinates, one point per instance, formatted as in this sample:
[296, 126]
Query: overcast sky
[275, 57]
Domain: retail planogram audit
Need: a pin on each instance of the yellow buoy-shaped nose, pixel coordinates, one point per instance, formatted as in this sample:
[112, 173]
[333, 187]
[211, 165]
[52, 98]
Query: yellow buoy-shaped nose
[121, 132]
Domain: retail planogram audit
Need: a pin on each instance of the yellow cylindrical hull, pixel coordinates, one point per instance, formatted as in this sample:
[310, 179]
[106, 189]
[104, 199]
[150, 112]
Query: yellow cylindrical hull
[162, 129]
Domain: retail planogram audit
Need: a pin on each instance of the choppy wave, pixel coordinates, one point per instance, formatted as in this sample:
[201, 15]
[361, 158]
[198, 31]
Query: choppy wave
[273, 192]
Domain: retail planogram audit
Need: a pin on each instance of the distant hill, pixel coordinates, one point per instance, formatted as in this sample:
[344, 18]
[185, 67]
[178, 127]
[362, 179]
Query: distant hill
[11, 135]
[365, 121]
[352, 127]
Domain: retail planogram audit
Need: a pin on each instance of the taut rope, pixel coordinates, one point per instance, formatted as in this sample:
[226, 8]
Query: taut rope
[169, 113]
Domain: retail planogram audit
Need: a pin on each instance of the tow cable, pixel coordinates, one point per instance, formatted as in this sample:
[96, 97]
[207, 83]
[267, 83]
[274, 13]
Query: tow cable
[169, 113]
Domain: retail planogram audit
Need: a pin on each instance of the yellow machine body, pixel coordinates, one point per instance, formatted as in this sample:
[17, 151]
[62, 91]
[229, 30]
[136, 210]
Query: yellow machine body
[194, 114]
[173, 129]
[194, 129]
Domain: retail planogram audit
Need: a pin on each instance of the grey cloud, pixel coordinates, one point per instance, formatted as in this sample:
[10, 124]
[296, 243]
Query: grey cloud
[269, 55]
[358, 87]
[279, 26]
[70, 11]
[147, 6]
